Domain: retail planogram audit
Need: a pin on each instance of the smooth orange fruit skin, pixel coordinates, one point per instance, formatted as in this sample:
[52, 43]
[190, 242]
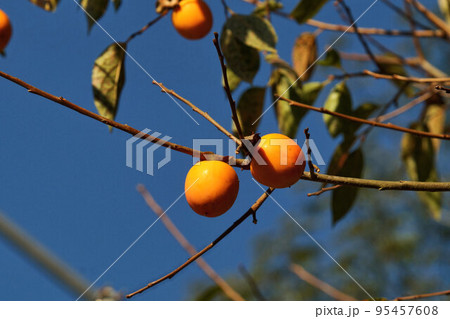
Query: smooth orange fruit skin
[5, 30]
[211, 188]
[192, 19]
[284, 158]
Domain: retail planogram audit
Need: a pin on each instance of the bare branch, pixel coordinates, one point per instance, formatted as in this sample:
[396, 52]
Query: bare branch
[45, 258]
[308, 155]
[227, 86]
[379, 184]
[360, 36]
[404, 108]
[303, 274]
[406, 78]
[176, 233]
[422, 296]
[373, 123]
[441, 24]
[170, 275]
[145, 28]
[123, 127]
[323, 190]
[199, 111]
[377, 31]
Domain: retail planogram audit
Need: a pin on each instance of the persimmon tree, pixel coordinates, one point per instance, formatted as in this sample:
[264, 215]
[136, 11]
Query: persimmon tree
[248, 42]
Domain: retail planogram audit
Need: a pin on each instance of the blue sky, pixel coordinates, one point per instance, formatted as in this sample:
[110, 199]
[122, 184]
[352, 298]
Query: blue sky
[63, 176]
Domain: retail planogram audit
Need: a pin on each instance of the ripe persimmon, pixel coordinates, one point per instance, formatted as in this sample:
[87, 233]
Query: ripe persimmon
[211, 188]
[192, 19]
[5, 30]
[281, 162]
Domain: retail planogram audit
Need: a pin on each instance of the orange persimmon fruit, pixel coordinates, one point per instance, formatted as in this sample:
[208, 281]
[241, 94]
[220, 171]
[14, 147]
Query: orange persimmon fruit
[192, 19]
[5, 30]
[211, 188]
[281, 162]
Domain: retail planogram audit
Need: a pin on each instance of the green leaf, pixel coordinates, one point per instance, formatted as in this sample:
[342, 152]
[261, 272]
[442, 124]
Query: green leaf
[233, 80]
[344, 197]
[48, 5]
[117, 4]
[332, 58]
[108, 78]
[288, 116]
[264, 8]
[304, 54]
[241, 59]
[444, 6]
[339, 101]
[94, 9]
[253, 31]
[249, 109]
[419, 158]
[306, 9]
[435, 121]
[310, 92]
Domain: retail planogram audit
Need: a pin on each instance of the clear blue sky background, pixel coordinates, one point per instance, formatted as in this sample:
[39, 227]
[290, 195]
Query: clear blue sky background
[63, 176]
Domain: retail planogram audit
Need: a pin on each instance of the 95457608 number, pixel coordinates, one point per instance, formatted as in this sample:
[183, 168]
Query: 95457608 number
[406, 310]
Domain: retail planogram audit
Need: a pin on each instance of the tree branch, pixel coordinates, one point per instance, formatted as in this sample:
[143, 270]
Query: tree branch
[199, 111]
[441, 24]
[124, 127]
[406, 78]
[360, 36]
[45, 259]
[433, 294]
[148, 25]
[227, 86]
[323, 190]
[303, 274]
[170, 275]
[176, 233]
[379, 184]
[376, 31]
[368, 122]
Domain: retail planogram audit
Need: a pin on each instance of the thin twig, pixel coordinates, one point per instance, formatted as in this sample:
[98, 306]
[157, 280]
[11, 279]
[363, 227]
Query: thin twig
[368, 122]
[404, 108]
[412, 23]
[360, 36]
[303, 274]
[422, 296]
[234, 115]
[225, 8]
[170, 275]
[401, 13]
[382, 185]
[406, 78]
[176, 233]
[199, 111]
[441, 88]
[123, 127]
[308, 159]
[379, 184]
[45, 258]
[412, 62]
[145, 28]
[441, 24]
[323, 190]
[377, 31]
[252, 283]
